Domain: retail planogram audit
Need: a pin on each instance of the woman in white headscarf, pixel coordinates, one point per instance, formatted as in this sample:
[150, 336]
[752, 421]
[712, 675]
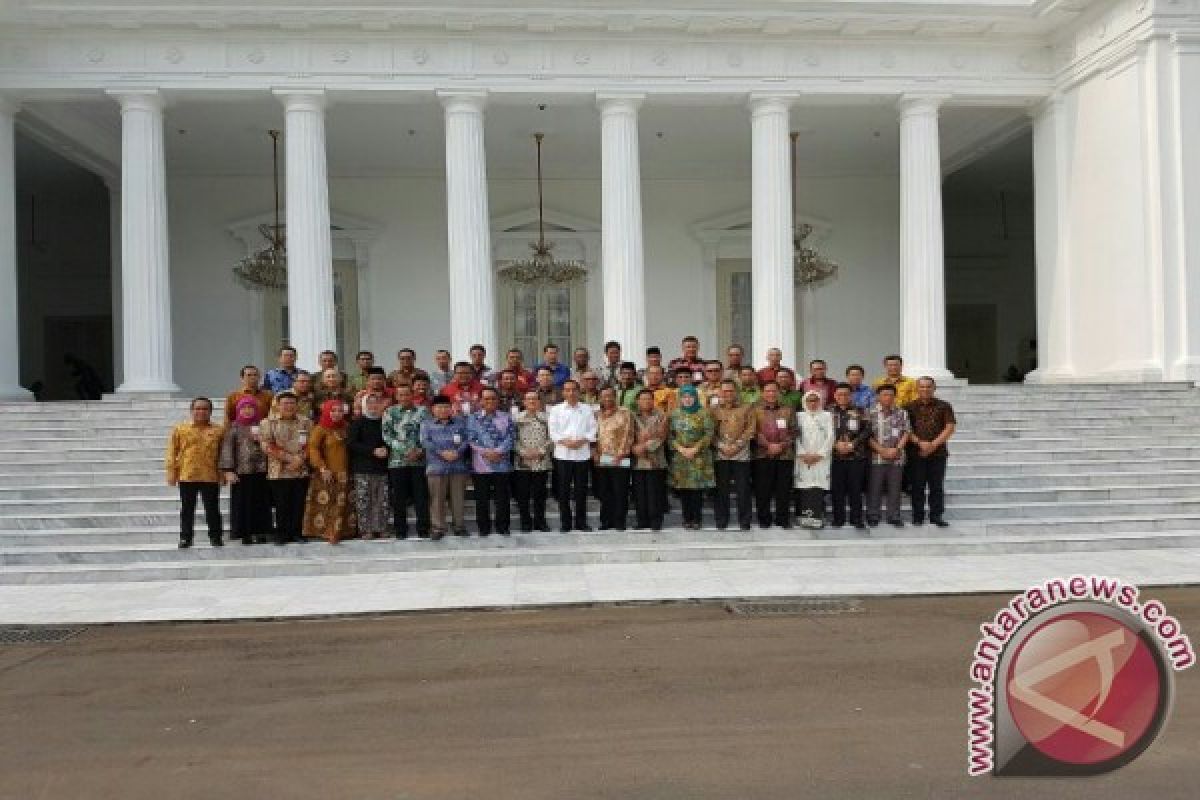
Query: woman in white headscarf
[814, 448]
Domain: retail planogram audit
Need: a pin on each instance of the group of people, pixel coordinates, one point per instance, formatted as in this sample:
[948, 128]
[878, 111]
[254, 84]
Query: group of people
[331, 456]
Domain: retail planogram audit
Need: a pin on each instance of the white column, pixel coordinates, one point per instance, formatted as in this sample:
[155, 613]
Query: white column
[774, 292]
[468, 228]
[621, 216]
[145, 258]
[10, 348]
[312, 316]
[1053, 280]
[922, 263]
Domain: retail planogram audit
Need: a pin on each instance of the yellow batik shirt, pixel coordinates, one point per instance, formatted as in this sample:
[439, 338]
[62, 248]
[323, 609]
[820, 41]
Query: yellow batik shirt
[192, 452]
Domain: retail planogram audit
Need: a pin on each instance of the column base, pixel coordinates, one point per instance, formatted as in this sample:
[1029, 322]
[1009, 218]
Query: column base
[1186, 369]
[143, 388]
[944, 377]
[1056, 375]
[15, 394]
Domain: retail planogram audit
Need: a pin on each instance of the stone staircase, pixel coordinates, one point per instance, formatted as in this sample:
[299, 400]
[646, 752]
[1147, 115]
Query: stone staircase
[1033, 469]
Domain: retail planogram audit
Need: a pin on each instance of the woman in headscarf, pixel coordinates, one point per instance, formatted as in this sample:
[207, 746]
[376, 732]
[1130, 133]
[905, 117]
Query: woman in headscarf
[691, 474]
[328, 513]
[814, 447]
[245, 466]
[369, 464]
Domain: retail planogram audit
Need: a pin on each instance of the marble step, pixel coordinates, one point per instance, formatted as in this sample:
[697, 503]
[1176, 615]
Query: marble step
[549, 549]
[965, 469]
[154, 512]
[33, 487]
[1101, 451]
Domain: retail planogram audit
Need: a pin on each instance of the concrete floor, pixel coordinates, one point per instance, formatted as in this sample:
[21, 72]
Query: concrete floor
[679, 702]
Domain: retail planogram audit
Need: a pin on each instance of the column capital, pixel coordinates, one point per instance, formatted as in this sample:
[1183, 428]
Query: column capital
[457, 100]
[619, 102]
[1044, 106]
[921, 104]
[302, 99]
[138, 99]
[9, 105]
[771, 102]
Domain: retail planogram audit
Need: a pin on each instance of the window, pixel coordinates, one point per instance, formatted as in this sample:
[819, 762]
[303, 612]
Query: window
[537, 316]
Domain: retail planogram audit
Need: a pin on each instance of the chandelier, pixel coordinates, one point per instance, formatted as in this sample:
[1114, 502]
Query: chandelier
[541, 269]
[811, 268]
[267, 268]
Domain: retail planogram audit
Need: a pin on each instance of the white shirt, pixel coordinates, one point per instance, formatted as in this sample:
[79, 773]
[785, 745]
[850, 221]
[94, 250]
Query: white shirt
[566, 422]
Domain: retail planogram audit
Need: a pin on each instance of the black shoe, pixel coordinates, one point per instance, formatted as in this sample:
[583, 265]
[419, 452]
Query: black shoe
[606, 527]
[721, 527]
[837, 525]
[401, 534]
[941, 523]
[787, 526]
[872, 523]
[422, 534]
[764, 525]
[745, 526]
[280, 542]
[461, 532]
[485, 533]
[505, 532]
[861, 526]
[565, 529]
[246, 540]
[585, 528]
[216, 542]
[542, 526]
[619, 529]
[184, 544]
[656, 527]
[918, 520]
[526, 527]
[896, 523]
[436, 535]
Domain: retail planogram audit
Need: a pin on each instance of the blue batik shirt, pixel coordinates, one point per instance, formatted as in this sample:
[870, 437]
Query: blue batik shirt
[438, 436]
[279, 379]
[490, 432]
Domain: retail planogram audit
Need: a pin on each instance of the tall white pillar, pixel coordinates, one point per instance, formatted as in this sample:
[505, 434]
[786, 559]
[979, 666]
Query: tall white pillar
[1053, 281]
[312, 315]
[621, 216]
[773, 276]
[10, 348]
[468, 228]
[145, 258]
[922, 261]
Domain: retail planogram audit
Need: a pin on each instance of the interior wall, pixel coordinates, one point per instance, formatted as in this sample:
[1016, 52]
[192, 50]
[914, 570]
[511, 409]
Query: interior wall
[408, 294]
[63, 265]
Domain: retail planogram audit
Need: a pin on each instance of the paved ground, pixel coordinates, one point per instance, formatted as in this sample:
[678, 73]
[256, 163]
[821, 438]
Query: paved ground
[633, 703]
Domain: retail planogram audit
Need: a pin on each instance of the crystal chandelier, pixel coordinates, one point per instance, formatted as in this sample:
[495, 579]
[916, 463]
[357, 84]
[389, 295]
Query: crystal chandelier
[811, 268]
[541, 269]
[267, 268]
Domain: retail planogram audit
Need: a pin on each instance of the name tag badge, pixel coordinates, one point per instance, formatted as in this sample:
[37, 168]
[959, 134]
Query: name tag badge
[697, 376]
[514, 411]
[255, 430]
[781, 424]
[624, 462]
[714, 400]
[466, 407]
[457, 438]
[606, 460]
[852, 425]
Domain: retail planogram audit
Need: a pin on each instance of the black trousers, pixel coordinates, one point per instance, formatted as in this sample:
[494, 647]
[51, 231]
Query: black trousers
[847, 480]
[928, 474]
[649, 490]
[210, 494]
[692, 501]
[612, 488]
[250, 507]
[732, 475]
[493, 491]
[407, 485]
[773, 486]
[288, 495]
[572, 479]
[529, 488]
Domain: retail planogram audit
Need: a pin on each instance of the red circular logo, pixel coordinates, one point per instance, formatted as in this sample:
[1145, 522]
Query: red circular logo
[1084, 688]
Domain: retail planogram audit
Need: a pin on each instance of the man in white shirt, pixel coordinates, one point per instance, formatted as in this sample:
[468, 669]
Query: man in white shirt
[573, 430]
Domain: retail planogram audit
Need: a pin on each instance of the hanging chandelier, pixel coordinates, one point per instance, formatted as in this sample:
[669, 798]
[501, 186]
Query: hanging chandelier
[267, 268]
[811, 268]
[541, 268]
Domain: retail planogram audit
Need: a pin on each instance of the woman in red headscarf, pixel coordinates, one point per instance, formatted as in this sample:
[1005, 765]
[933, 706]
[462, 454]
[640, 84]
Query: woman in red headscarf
[328, 513]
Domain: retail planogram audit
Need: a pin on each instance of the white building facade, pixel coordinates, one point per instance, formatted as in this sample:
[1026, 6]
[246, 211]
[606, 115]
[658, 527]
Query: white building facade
[408, 163]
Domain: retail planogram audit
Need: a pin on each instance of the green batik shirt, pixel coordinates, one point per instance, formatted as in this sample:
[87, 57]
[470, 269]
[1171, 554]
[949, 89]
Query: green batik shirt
[402, 434]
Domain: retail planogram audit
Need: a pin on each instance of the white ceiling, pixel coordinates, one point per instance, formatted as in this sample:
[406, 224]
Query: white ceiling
[221, 136]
